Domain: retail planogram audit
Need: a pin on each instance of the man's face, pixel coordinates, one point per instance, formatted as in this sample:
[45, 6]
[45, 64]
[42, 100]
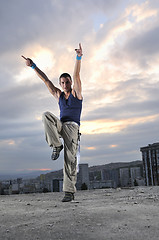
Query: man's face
[66, 83]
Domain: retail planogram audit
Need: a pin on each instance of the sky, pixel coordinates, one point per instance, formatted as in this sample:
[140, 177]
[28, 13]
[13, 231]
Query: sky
[119, 74]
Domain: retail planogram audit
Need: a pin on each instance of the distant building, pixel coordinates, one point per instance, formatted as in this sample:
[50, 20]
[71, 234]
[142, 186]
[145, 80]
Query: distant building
[124, 177]
[83, 176]
[101, 184]
[135, 176]
[150, 158]
[57, 185]
[117, 175]
[95, 175]
[111, 175]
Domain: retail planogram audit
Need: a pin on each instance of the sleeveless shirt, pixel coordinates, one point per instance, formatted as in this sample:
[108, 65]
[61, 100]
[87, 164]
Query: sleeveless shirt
[70, 109]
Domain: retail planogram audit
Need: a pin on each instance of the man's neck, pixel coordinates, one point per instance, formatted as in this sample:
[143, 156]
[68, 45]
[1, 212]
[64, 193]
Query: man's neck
[67, 94]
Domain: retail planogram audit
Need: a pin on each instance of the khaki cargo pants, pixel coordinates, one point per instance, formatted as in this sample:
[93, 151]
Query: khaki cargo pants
[54, 129]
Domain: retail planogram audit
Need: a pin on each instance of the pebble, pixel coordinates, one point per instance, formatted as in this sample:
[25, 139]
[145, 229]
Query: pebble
[142, 192]
[147, 226]
[49, 225]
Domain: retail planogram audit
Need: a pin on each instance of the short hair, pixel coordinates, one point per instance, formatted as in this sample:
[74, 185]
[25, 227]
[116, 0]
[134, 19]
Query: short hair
[64, 75]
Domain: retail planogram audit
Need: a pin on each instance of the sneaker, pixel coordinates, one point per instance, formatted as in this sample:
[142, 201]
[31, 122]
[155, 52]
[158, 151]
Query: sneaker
[68, 197]
[56, 152]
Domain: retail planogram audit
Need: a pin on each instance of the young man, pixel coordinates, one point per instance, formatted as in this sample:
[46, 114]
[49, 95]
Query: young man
[70, 104]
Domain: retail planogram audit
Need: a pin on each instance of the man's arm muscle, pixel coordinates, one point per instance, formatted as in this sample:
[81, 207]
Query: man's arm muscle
[53, 90]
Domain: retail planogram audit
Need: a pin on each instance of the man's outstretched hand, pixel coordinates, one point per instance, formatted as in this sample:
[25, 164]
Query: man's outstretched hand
[29, 62]
[79, 51]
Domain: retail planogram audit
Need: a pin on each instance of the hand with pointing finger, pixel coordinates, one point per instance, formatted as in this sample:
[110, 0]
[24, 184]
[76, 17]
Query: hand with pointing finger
[29, 62]
[79, 51]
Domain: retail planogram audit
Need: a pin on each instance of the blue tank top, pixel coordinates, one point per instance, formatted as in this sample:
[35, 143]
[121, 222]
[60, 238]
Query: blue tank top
[70, 109]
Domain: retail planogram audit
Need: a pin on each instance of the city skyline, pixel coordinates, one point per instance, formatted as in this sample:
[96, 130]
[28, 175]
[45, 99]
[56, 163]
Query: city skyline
[119, 76]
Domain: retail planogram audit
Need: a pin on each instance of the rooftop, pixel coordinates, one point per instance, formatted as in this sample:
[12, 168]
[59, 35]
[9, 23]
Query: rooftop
[104, 214]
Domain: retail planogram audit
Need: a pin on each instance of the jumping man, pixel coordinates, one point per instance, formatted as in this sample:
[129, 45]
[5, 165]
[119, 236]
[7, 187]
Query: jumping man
[70, 104]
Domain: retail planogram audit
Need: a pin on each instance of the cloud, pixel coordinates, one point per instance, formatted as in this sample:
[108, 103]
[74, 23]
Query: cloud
[119, 77]
[47, 23]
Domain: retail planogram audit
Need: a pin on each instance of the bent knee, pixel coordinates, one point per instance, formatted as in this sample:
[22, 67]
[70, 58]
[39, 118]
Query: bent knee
[45, 114]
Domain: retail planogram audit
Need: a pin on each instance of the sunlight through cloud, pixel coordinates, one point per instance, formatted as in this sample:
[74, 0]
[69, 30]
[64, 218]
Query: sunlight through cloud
[44, 58]
[7, 142]
[112, 126]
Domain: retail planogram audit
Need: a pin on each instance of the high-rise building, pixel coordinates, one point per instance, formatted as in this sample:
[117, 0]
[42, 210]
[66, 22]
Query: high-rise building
[150, 158]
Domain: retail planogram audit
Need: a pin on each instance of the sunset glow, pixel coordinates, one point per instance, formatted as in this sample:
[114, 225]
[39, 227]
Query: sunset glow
[39, 169]
[112, 126]
[7, 142]
[44, 57]
[119, 75]
[91, 148]
[113, 146]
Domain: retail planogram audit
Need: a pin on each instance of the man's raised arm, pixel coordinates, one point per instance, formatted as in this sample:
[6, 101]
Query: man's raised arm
[53, 90]
[76, 75]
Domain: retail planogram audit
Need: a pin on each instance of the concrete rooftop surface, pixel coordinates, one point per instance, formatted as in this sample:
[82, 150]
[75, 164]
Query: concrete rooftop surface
[103, 214]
